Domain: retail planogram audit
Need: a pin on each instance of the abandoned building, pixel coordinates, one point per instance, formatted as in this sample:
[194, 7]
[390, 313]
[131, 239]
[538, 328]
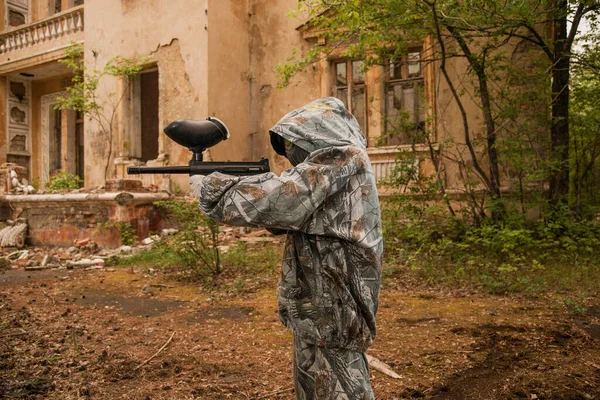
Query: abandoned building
[202, 58]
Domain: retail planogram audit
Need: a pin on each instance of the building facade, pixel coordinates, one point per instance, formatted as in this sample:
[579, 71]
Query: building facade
[202, 58]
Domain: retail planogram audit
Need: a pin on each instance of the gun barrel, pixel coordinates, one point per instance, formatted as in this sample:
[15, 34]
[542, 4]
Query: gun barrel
[158, 170]
[204, 168]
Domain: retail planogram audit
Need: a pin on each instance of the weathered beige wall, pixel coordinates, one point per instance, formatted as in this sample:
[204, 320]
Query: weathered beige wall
[247, 39]
[229, 76]
[273, 36]
[449, 127]
[173, 33]
[3, 119]
[215, 58]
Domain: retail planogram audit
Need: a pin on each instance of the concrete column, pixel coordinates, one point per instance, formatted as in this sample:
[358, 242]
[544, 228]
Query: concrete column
[375, 86]
[2, 15]
[41, 9]
[67, 141]
[3, 122]
[429, 83]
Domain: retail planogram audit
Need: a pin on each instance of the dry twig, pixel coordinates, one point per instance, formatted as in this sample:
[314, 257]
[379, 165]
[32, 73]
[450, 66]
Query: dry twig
[155, 354]
[382, 367]
[49, 296]
[13, 334]
[276, 393]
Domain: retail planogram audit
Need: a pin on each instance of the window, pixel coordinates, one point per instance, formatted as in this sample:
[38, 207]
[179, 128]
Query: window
[16, 13]
[79, 147]
[55, 143]
[149, 115]
[350, 88]
[57, 6]
[404, 103]
[16, 18]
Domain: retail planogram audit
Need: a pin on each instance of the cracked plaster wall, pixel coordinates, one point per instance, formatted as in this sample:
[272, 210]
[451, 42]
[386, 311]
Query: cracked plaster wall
[273, 36]
[215, 57]
[173, 33]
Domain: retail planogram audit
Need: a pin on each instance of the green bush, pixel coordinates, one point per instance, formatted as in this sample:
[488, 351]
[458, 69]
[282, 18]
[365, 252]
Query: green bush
[197, 242]
[64, 181]
[555, 253]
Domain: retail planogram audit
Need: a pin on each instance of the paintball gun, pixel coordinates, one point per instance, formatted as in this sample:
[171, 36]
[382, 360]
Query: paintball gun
[199, 136]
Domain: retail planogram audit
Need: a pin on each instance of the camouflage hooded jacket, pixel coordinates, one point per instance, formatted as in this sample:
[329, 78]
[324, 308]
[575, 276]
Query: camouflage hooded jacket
[329, 287]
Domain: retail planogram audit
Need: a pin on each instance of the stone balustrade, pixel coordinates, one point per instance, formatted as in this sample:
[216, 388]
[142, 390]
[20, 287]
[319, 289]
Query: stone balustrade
[55, 27]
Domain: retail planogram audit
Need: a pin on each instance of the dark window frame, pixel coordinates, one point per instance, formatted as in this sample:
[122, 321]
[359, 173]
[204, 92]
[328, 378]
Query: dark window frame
[352, 85]
[399, 77]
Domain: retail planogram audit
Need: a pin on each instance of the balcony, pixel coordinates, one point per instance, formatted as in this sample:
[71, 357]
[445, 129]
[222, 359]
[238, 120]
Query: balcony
[41, 41]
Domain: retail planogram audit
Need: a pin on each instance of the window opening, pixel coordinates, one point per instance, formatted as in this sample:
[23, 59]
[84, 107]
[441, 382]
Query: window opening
[16, 18]
[16, 13]
[404, 100]
[149, 115]
[79, 149]
[351, 89]
[55, 143]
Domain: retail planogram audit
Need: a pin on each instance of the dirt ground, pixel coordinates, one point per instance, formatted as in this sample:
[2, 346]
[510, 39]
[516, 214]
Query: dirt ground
[89, 334]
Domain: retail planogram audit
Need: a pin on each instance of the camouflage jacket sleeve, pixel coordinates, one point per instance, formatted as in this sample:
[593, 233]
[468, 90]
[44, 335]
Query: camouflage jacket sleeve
[281, 202]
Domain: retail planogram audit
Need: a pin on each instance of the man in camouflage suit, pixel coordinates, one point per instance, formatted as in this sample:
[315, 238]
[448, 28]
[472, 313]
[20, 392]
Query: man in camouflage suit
[328, 205]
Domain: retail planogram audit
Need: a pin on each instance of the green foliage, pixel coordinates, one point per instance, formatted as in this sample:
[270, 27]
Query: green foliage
[64, 181]
[156, 257]
[84, 94]
[126, 231]
[575, 306]
[35, 182]
[585, 138]
[553, 254]
[197, 242]
[246, 268]
[505, 142]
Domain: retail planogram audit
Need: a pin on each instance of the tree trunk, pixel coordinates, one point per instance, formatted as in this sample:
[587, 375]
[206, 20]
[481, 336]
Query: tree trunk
[559, 179]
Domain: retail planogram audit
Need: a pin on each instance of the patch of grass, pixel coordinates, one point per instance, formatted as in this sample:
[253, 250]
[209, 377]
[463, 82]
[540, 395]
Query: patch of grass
[574, 306]
[197, 242]
[252, 259]
[155, 257]
[558, 255]
[246, 268]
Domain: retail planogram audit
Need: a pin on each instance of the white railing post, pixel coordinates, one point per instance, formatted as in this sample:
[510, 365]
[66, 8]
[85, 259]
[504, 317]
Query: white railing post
[57, 26]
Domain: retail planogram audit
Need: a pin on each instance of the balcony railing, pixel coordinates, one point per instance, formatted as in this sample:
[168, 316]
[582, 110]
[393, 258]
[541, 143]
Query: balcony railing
[50, 29]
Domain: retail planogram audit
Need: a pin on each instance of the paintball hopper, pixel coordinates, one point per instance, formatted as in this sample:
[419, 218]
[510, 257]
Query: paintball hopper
[197, 135]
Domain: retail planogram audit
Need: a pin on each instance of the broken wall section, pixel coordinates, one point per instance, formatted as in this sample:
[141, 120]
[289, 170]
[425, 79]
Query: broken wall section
[173, 34]
[273, 36]
[61, 219]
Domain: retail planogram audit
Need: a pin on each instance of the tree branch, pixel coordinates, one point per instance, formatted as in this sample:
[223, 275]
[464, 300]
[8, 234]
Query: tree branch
[574, 26]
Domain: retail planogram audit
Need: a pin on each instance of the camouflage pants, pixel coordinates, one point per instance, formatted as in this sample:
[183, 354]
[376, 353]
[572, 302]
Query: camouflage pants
[322, 373]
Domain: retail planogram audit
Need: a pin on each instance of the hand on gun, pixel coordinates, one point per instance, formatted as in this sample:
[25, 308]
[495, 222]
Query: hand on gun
[196, 184]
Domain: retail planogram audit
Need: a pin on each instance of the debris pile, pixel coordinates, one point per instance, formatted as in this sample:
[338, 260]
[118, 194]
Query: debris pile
[19, 186]
[86, 254]
[13, 179]
[13, 235]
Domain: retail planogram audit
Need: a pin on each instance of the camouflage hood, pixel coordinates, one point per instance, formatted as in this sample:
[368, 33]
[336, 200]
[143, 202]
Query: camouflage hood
[320, 124]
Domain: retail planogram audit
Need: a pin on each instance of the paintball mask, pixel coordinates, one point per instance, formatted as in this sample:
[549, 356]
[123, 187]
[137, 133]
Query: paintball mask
[293, 153]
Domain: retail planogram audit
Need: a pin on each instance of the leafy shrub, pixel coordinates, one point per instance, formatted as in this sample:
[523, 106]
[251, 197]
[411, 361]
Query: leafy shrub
[64, 181]
[557, 252]
[197, 242]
